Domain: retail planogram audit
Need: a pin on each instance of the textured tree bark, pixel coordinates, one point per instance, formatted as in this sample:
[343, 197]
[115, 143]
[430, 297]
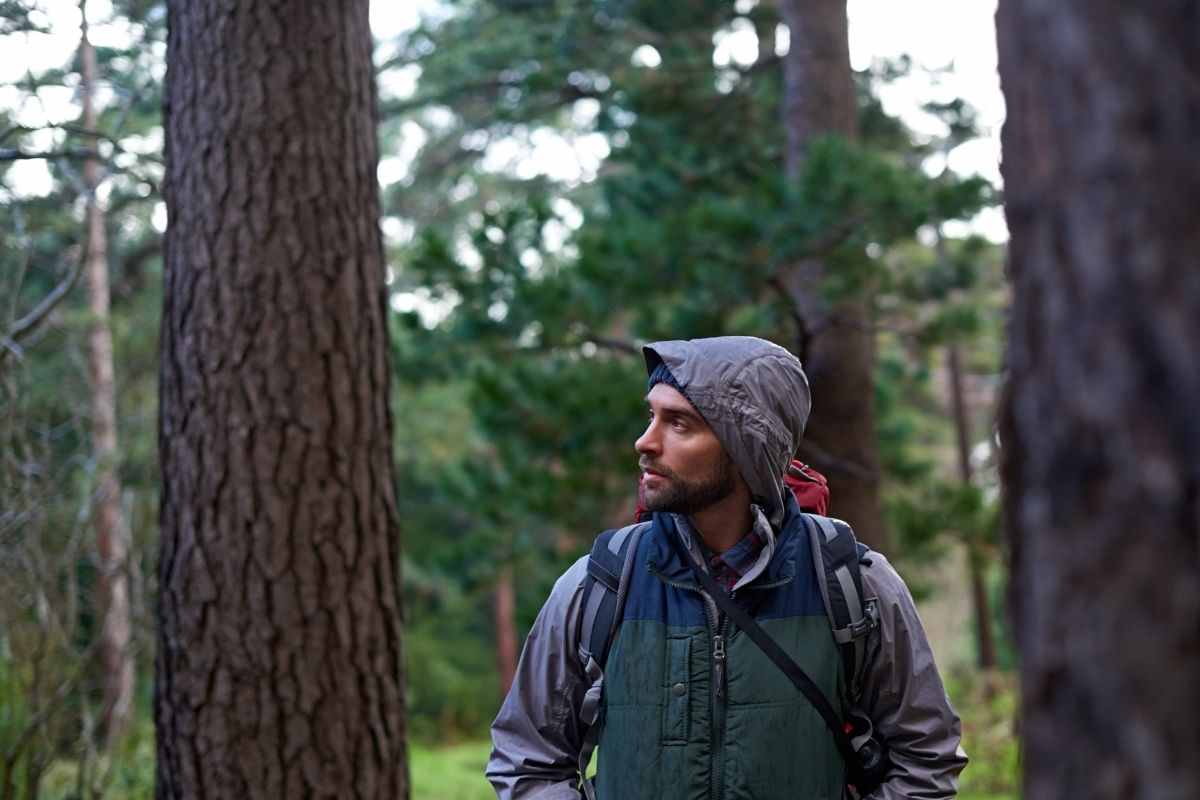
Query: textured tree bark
[837, 344]
[1100, 431]
[112, 549]
[279, 669]
[507, 649]
[985, 642]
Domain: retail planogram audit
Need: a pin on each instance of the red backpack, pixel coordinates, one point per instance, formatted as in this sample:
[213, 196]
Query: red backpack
[809, 486]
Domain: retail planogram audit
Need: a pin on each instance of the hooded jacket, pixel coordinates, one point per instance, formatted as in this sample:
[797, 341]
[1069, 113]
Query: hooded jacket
[754, 396]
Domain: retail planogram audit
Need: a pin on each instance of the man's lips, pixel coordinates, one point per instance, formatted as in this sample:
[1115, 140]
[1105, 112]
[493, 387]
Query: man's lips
[648, 473]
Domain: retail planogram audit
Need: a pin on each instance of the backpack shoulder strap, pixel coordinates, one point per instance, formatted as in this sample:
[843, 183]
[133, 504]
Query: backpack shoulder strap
[837, 557]
[605, 587]
[609, 568]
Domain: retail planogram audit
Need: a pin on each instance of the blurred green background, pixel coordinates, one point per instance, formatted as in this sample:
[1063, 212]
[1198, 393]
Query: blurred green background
[561, 182]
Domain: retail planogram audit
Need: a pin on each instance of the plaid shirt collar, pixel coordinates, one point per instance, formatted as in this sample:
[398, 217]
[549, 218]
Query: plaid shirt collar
[740, 563]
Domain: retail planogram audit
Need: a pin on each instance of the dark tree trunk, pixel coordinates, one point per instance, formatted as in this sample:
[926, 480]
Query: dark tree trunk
[1100, 430]
[818, 84]
[112, 547]
[279, 670]
[507, 648]
[985, 642]
[837, 343]
[766, 20]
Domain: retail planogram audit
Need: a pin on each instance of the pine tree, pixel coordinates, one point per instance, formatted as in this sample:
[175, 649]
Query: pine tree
[837, 338]
[279, 670]
[1100, 434]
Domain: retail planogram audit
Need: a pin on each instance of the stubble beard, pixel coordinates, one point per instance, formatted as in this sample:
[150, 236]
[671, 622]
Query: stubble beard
[683, 497]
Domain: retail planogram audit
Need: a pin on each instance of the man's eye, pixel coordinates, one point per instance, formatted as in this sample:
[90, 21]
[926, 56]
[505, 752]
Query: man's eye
[679, 425]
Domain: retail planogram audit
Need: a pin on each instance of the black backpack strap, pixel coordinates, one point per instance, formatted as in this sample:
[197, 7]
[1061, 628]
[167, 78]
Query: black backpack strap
[837, 557]
[771, 648]
[609, 568]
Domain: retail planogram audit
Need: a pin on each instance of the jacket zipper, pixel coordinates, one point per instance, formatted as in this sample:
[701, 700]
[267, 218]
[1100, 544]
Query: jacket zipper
[717, 625]
[719, 658]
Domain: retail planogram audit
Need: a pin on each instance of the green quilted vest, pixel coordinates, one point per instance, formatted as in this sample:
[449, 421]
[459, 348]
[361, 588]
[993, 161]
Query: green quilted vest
[680, 722]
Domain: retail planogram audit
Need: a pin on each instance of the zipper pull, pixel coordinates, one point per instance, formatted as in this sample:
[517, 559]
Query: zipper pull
[719, 663]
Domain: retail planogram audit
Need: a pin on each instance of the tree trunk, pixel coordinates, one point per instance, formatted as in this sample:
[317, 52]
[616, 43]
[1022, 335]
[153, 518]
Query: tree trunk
[112, 548]
[1100, 433]
[507, 649]
[837, 344]
[976, 562]
[766, 20]
[279, 671]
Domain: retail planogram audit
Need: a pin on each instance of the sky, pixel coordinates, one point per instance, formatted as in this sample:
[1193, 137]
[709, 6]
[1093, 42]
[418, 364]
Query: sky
[937, 34]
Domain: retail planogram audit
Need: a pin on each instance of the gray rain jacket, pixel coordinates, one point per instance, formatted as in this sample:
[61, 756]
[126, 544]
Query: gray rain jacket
[755, 397]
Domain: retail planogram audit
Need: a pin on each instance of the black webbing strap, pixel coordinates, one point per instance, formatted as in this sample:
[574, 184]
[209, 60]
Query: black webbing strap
[606, 568]
[773, 651]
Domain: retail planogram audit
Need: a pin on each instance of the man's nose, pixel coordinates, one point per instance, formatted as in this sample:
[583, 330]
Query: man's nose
[647, 443]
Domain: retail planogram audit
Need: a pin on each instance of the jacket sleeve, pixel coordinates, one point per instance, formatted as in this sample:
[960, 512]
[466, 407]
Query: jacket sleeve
[905, 699]
[537, 736]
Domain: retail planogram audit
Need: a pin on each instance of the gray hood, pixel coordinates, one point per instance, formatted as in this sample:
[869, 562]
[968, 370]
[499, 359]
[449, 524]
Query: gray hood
[753, 394]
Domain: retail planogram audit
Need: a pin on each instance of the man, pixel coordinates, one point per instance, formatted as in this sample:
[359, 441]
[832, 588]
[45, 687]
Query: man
[690, 707]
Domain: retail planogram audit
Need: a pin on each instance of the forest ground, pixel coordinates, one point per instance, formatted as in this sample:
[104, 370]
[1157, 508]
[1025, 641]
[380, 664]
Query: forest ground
[455, 771]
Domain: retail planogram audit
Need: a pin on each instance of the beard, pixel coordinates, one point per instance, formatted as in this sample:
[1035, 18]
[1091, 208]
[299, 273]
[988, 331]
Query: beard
[689, 497]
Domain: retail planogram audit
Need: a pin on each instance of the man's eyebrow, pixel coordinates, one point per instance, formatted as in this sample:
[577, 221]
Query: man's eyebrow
[679, 411]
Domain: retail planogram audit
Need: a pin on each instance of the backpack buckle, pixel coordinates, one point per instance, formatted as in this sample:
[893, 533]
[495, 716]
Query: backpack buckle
[869, 621]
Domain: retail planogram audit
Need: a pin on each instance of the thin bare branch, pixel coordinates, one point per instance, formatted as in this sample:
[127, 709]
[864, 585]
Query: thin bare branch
[23, 327]
[828, 463]
[74, 153]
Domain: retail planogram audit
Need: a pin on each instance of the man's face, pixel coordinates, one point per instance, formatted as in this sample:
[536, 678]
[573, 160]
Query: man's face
[684, 467]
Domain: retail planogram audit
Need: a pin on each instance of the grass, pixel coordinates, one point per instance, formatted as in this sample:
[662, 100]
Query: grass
[451, 773]
[988, 710]
[455, 772]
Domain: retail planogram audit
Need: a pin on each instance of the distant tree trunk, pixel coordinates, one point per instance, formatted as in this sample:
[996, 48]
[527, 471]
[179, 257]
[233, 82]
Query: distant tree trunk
[985, 641]
[766, 19]
[279, 671]
[837, 343]
[507, 649]
[112, 548]
[1100, 430]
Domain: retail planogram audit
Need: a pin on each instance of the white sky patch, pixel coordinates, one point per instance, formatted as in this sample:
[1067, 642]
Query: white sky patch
[37, 52]
[554, 236]
[544, 151]
[936, 33]
[390, 19]
[432, 310]
[584, 112]
[391, 169]
[438, 117]
[467, 255]
[978, 156]
[568, 212]
[988, 223]
[736, 44]
[397, 231]
[399, 83]
[532, 260]
[783, 40]
[28, 179]
[645, 56]
[158, 218]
